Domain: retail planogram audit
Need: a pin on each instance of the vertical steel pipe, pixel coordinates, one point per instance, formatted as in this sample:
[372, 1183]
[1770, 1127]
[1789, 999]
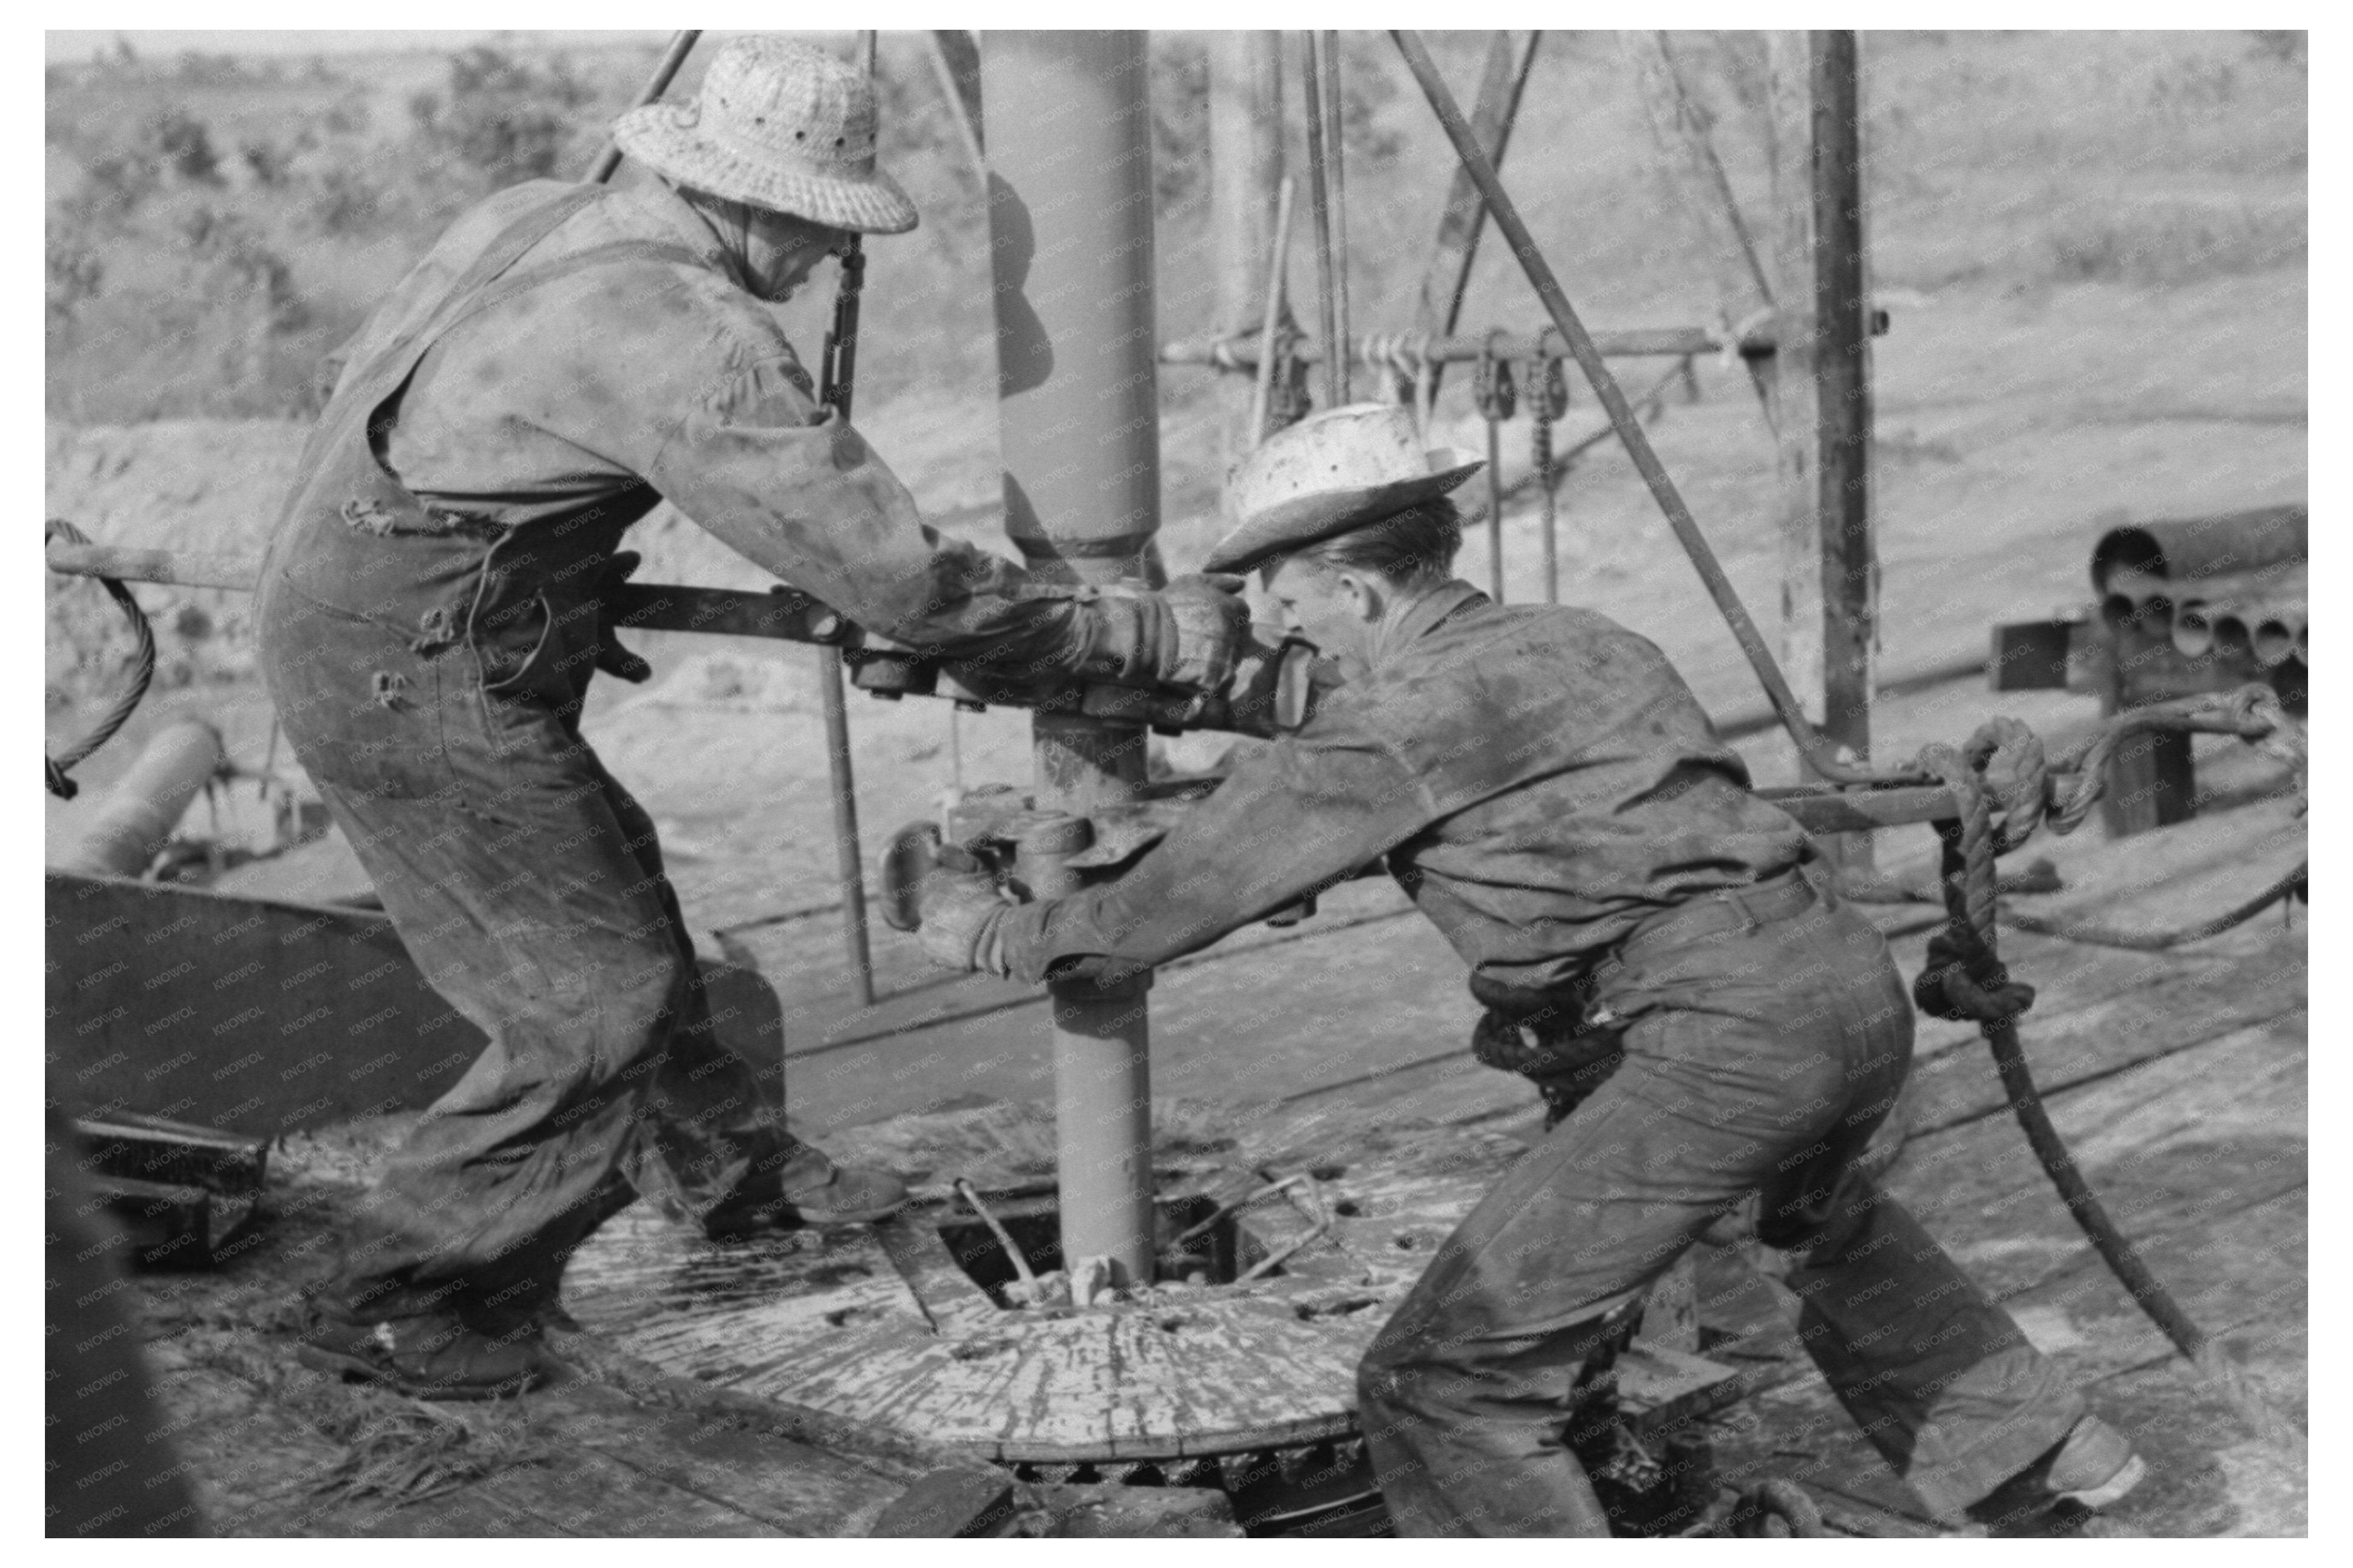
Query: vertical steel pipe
[2194, 628]
[2275, 633]
[2233, 640]
[1079, 423]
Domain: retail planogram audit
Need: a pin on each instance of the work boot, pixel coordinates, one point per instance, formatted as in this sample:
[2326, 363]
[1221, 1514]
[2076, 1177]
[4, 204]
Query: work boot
[822, 1194]
[436, 1355]
[2091, 1468]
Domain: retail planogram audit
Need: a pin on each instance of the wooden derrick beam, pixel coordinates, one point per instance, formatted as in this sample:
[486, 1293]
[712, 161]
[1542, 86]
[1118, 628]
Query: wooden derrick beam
[1821, 398]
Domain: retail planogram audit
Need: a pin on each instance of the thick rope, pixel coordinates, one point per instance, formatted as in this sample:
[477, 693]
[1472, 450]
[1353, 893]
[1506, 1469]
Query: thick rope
[59, 768]
[1776, 1509]
[2252, 712]
[1966, 980]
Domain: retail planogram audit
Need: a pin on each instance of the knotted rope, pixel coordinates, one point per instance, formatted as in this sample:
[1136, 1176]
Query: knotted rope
[2003, 764]
[61, 782]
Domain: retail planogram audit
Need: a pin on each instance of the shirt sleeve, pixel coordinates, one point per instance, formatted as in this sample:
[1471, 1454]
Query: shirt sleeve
[789, 484]
[1304, 814]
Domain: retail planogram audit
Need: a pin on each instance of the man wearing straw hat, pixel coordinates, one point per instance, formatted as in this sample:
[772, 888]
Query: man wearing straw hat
[1710, 1028]
[566, 357]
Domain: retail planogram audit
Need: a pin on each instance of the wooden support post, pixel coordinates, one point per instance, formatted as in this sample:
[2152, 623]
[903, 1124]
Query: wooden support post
[1447, 279]
[2152, 780]
[1849, 557]
[1245, 177]
[1821, 391]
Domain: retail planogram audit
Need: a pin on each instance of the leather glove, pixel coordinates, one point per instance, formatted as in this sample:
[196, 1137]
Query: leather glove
[958, 913]
[611, 657]
[1187, 635]
[1207, 625]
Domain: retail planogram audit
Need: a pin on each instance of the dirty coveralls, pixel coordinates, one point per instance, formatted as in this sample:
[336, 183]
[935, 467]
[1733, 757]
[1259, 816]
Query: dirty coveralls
[564, 358]
[1550, 794]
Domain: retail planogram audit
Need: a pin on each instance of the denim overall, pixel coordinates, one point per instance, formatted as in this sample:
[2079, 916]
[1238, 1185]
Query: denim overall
[428, 667]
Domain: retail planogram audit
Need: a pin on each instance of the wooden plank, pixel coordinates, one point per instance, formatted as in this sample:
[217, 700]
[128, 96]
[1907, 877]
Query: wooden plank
[1979, 1192]
[593, 1493]
[2207, 1478]
[2172, 1011]
[2240, 1267]
[266, 1016]
[253, 1460]
[259, 1017]
[791, 1487]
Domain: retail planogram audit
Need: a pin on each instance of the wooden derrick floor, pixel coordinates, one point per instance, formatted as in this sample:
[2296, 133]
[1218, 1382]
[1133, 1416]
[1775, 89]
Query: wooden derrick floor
[2178, 1079]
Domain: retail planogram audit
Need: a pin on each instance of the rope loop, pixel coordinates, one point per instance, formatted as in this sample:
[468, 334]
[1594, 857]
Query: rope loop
[2010, 760]
[2252, 712]
[1966, 980]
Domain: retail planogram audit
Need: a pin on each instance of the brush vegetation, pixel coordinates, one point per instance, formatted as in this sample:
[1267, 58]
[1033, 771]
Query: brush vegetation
[215, 225]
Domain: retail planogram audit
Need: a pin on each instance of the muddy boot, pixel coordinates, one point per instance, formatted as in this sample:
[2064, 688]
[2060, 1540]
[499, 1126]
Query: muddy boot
[2093, 1467]
[436, 1355]
[820, 1193]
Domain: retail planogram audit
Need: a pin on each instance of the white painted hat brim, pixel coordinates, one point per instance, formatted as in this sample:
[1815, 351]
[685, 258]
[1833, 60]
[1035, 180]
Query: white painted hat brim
[1306, 520]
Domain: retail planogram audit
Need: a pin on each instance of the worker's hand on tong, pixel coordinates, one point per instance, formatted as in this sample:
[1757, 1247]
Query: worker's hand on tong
[1206, 625]
[958, 908]
[1185, 636]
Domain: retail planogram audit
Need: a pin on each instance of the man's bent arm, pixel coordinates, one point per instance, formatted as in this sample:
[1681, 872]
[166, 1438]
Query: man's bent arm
[795, 489]
[1300, 816]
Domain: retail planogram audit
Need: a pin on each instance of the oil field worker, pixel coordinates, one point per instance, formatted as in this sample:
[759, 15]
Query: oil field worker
[566, 357]
[1547, 791]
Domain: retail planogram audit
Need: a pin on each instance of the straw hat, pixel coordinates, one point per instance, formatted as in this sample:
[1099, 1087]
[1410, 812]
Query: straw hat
[1329, 473]
[779, 125]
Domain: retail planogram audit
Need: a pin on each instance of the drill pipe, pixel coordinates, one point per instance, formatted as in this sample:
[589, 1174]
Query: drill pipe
[1079, 421]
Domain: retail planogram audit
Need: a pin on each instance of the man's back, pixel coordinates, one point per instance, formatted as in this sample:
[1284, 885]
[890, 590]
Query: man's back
[562, 396]
[1576, 787]
[1540, 779]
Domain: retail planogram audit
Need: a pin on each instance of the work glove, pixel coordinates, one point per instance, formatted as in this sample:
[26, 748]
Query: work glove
[958, 913]
[1206, 625]
[611, 657]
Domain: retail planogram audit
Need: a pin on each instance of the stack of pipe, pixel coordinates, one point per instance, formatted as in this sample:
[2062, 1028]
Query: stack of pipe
[2233, 588]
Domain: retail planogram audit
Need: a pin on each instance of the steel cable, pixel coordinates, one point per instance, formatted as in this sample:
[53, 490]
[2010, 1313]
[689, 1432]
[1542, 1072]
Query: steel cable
[60, 767]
